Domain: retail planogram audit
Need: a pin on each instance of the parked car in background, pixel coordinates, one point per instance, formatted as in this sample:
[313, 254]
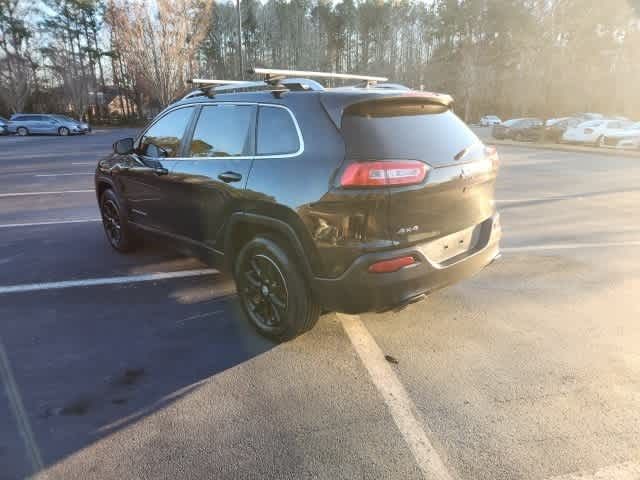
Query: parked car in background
[520, 129]
[489, 120]
[4, 126]
[555, 127]
[593, 132]
[84, 126]
[633, 142]
[589, 116]
[613, 137]
[31, 124]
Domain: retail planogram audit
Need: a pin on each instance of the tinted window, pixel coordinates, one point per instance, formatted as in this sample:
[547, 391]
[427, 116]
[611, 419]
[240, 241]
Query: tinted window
[164, 137]
[277, 133]
[434, 137]
[17, 119]
[223, 131]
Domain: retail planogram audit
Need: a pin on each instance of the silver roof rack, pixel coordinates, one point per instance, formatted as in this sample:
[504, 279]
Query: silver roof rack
[274, 74]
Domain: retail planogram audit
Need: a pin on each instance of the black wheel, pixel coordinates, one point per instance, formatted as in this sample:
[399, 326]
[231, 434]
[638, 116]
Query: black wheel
[63, 131]
[23, 132]
[114, 223]
[272, 290]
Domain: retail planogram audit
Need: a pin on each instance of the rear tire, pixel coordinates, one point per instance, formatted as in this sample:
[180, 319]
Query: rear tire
[115, 222]
[600, 141]
[273, 292]
[63, 131]
[23, 132]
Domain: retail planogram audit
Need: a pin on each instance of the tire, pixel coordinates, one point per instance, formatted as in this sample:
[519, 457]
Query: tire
[273, 292]
[518, 137]
[600, 141]
[63, 131]
[22, 131]
[115, 223]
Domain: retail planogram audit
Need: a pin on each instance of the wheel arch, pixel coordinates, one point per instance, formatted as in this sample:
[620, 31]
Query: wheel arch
[244, 226]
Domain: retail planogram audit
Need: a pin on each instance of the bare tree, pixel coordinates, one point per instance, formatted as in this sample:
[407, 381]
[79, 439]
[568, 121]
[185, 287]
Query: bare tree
[17, 69]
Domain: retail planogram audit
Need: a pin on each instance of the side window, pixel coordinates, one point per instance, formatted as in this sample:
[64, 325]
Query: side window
[277, 134]
[164, 137]
[223, 131]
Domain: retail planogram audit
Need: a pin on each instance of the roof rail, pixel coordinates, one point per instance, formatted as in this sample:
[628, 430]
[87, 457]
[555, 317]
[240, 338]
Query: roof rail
[273, 75]
[212, 87]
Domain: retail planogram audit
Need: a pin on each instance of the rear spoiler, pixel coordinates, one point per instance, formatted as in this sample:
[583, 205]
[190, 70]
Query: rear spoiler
[337, 102]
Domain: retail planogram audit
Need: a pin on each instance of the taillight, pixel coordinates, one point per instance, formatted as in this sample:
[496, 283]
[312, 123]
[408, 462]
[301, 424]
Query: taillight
[491, 153]
[393, 265]
[383, 173]
[588, 130]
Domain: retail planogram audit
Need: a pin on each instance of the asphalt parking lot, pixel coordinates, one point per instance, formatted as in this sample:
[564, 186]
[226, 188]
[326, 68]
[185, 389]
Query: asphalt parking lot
[143, 367]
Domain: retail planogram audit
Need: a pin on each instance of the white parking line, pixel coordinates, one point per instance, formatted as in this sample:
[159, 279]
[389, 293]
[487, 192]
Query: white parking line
[51, 222]
[60, 174]
[622, 471]
[27, 194]
[569, 246]
[92, 282]
[395, 396]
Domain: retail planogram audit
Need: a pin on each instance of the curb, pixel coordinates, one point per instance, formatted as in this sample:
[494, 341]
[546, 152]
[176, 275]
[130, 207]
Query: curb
[565, 148]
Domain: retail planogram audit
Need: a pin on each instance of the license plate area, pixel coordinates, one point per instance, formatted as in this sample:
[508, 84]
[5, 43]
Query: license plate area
[453, 245]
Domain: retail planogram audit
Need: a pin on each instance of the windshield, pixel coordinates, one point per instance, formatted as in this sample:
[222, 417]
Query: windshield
[65, 118]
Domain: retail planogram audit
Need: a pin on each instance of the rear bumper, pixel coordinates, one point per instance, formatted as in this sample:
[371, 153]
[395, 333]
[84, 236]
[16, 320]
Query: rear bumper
[358, 291]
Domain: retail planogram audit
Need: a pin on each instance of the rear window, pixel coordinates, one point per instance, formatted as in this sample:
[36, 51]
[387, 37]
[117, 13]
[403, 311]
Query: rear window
[433, 137]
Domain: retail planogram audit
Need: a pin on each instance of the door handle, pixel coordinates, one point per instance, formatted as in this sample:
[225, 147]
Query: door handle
[228, 177]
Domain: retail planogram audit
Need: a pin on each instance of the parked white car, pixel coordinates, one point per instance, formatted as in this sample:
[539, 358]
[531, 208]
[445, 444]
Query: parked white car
[490, 120]
[624, 138]
[593, 132]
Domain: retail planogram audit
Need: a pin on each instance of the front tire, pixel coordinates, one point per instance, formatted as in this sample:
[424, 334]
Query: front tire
[23, 132]
[600, 141]
[115, 223]
[272, 290]
[63, 131]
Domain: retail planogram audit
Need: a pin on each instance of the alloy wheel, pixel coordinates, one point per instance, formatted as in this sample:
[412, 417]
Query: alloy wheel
[264, 291]
[111, 222]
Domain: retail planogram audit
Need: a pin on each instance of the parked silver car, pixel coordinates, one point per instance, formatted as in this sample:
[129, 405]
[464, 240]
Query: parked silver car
[31, 124]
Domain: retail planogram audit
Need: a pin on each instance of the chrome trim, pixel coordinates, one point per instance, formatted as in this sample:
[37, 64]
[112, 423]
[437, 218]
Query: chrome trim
[246, 157]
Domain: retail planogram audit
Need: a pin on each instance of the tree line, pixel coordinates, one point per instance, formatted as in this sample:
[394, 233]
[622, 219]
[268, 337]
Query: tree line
[509, 57]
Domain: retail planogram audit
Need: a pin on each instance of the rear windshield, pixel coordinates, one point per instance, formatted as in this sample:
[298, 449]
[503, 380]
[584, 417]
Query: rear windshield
[432, 137]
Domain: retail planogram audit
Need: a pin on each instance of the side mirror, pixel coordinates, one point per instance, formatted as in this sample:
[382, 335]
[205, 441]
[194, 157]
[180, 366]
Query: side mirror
[123, 146]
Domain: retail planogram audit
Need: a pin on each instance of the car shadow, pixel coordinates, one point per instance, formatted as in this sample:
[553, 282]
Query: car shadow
[80, 364]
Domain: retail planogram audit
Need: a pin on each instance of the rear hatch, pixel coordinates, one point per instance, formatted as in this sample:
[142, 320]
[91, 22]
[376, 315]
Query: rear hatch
[456, 192]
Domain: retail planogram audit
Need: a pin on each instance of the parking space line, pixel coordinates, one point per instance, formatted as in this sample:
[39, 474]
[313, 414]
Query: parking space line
[61, 192]
[92, 282]
[395, 396]
[49, 222]
[60, 174]
[18, 410]
[568, 246]
[622, 471]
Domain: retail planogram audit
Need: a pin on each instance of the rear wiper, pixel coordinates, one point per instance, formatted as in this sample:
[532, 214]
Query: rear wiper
[461, 153]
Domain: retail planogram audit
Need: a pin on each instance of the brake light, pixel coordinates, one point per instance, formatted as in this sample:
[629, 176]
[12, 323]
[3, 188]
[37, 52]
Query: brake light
[393, 265]
[588, 130]
[491, 153]
[380, 174]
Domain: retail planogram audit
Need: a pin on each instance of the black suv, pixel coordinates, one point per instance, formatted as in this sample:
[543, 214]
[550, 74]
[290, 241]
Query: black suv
[349, 199]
